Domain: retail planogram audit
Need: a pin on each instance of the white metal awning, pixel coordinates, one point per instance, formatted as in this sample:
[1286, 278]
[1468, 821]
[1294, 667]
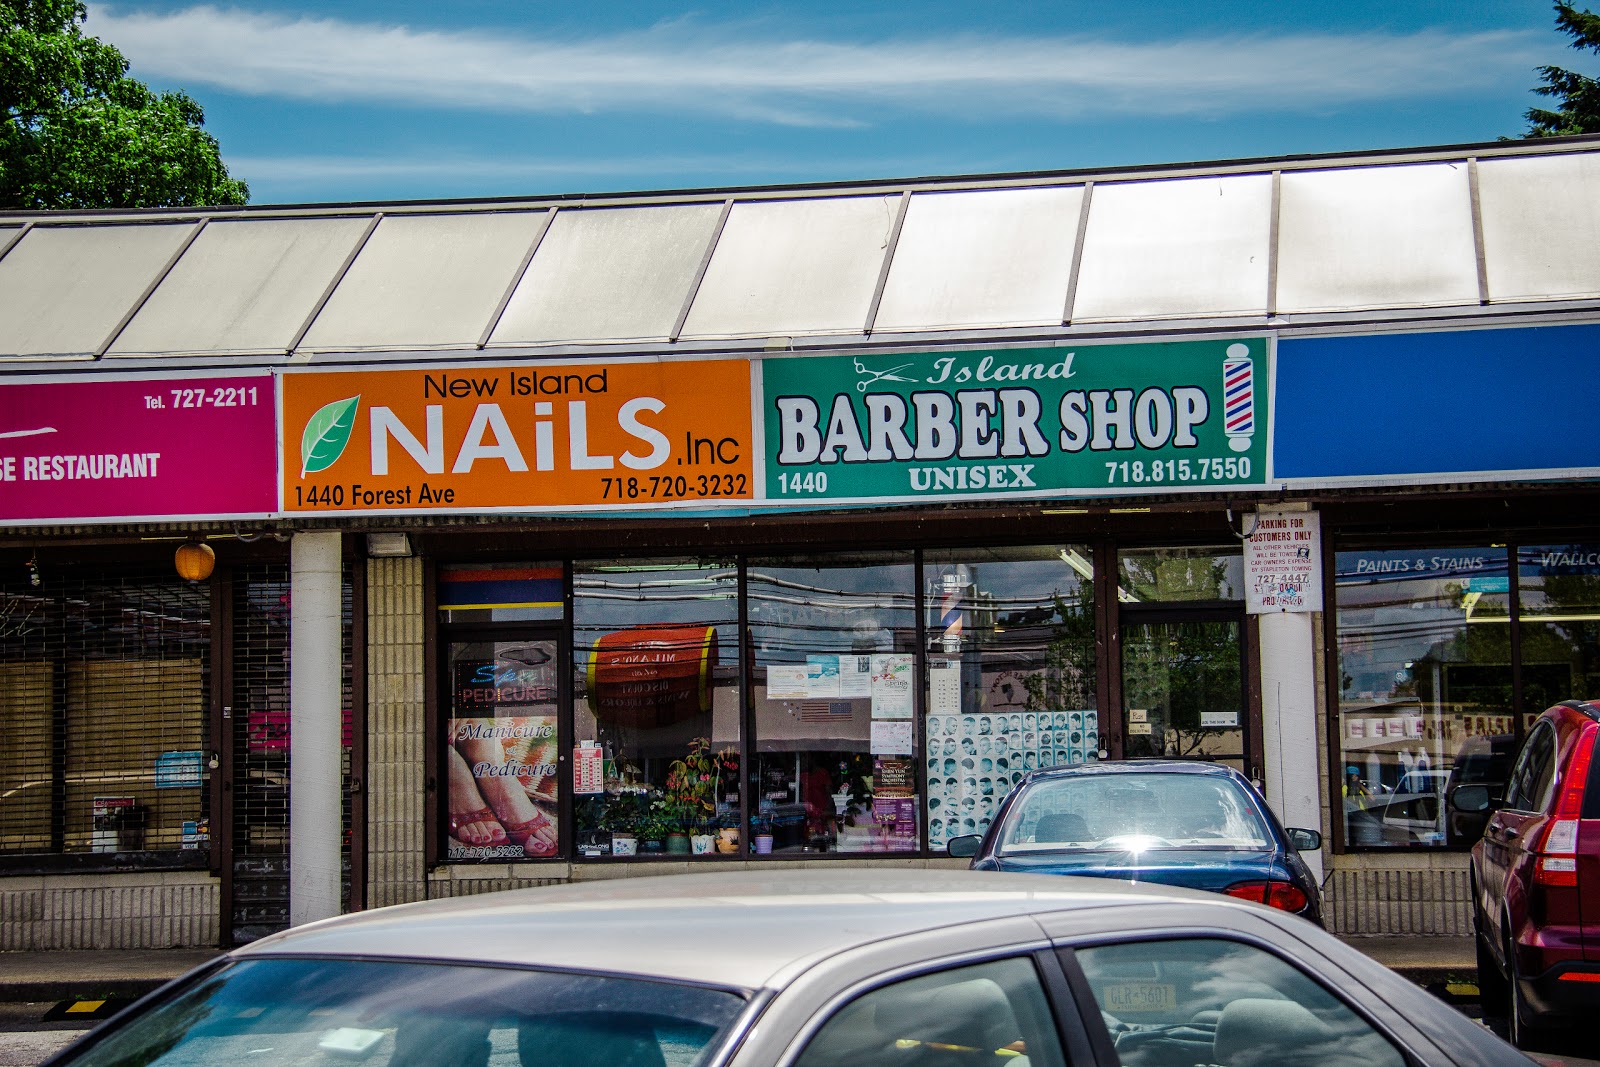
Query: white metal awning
[1282, 243]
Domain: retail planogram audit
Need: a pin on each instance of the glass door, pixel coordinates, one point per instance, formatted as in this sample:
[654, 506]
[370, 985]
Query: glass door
[1183, 693]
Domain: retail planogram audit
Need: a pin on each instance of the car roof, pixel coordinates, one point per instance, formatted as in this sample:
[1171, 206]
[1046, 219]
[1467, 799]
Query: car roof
[1137, 766]
[742, 929]
[1586, 708]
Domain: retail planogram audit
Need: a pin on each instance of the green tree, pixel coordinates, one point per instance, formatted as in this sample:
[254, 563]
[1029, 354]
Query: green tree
[79, 133]
[1577, 95]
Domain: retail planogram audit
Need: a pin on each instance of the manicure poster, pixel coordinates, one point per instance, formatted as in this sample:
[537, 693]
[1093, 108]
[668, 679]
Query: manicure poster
[503, 787]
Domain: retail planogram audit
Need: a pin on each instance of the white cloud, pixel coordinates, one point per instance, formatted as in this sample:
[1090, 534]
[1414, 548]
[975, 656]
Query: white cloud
[689, 68]
[324, 168]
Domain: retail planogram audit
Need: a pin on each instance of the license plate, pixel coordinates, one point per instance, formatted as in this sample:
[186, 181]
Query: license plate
[1124, 998]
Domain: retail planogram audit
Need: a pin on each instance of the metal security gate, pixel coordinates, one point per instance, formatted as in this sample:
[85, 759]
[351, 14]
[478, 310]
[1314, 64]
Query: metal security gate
[257, 893]
[104, 674]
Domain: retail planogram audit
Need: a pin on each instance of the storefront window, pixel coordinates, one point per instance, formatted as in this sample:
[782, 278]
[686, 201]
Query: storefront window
[1559, 593]
[104, 679]
[657, 710]
[1425, 676]
[1011, 675]
[835, 702]
[1169, 575]
[501, 592]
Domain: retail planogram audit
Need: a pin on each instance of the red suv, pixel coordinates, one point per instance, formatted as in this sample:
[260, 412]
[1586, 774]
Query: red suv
[1536, 878]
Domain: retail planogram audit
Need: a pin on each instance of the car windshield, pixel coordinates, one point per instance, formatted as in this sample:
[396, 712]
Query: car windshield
[1133, 811]
[389, 1014]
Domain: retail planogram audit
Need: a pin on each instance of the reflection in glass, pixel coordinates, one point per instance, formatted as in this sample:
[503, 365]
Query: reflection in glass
[1117, 811]
[1213, 1001]
[1011, 675]
[655, 644]
[388, 1014]
[1183, 688]
[1424, 668]
[1559, 593]
[834, 645]
[1180, 574]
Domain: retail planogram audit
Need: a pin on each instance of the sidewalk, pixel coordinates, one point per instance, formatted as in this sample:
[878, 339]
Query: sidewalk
[94, 974]
[1424, 960]
[91, 975]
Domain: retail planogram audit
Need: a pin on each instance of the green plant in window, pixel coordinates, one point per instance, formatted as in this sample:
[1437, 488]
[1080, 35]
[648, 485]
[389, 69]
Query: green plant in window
[659, 820]
[690, 794]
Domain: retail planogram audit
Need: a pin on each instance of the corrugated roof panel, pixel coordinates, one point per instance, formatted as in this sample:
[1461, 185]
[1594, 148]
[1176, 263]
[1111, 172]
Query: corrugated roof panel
[63, 289]
[610, 274]
[425, 281]
[1376, 237]
[993, 258]
[1541, 226]
[244, 286]
[785, 267]
[1164, 249]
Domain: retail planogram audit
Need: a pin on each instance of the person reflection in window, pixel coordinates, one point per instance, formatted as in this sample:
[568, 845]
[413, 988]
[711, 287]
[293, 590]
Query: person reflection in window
[816, 793]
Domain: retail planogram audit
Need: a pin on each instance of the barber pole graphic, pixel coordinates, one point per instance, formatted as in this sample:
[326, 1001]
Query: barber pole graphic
[1238, 397]
[950, 613]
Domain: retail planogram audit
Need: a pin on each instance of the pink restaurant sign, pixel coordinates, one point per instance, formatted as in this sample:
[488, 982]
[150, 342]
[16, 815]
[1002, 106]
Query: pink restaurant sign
[151, 448]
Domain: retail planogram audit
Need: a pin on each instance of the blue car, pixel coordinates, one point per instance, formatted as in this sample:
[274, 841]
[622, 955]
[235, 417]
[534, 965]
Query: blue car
[1198, 825]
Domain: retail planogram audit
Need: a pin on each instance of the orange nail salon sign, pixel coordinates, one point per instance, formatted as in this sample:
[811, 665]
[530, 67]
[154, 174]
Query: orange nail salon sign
[521, 438]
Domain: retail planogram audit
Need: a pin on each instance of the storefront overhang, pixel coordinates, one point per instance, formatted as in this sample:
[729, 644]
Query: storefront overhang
[1301, 325]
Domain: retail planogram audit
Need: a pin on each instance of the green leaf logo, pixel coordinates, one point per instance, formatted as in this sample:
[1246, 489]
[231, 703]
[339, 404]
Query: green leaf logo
[327, 432]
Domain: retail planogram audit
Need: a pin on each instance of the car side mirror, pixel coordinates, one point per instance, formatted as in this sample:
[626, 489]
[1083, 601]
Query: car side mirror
[964, 847]
[1304, 840]
[1472, 799]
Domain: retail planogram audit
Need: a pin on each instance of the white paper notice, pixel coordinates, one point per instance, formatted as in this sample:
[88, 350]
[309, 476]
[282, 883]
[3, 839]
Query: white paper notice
[1283, 563]
[944, 689]
[855, 677]
[891, 738]
[891, 686]
[787, 681]
[822, 676]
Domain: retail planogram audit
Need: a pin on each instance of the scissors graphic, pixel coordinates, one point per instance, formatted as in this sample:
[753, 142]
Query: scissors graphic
[890, 375]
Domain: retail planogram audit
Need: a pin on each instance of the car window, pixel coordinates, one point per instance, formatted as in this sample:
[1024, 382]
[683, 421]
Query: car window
[987, 1015]
[1205, 1000]
[278, 1012]
[1544, 776]
[1094, 811]
[1533, 768]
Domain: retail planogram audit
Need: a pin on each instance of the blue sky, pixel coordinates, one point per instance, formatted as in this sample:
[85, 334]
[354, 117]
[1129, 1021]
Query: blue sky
[362, 100]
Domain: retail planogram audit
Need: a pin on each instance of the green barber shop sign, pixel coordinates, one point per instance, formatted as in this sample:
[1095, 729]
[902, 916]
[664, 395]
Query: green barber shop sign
[1068, 421]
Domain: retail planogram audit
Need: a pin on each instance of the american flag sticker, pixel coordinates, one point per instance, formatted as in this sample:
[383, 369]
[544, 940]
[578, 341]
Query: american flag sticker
[823, 710]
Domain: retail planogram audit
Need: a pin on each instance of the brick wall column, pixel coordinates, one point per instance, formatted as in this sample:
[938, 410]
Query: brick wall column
[395, 732]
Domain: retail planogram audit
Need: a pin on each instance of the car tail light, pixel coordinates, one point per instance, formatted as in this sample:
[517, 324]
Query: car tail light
[1283, 895]
[1557, 864]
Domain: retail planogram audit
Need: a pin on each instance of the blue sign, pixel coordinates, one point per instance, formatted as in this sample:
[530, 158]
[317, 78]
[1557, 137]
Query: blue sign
[1409, 405]
[180, 770]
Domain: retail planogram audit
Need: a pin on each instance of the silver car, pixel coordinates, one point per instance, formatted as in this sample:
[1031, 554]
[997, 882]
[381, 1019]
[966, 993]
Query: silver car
[821, 966]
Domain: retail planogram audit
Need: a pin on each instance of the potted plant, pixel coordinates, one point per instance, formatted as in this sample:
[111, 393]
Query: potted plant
[691, 795]
[654, 827]
[621, 818]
